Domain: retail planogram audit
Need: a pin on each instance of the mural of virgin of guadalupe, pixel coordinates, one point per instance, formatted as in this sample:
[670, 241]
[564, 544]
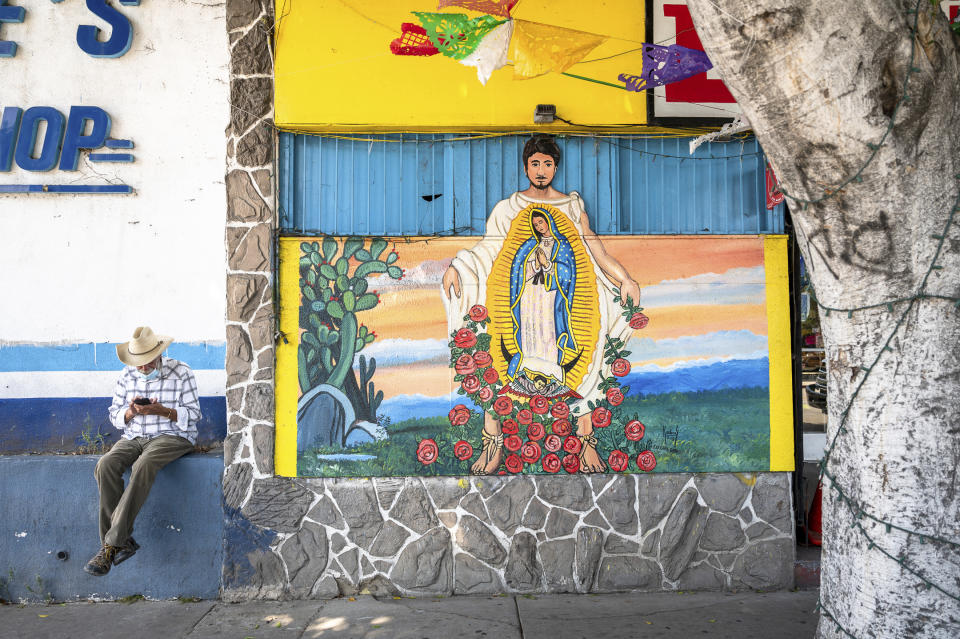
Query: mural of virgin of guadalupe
[542, 292]
[549, 286]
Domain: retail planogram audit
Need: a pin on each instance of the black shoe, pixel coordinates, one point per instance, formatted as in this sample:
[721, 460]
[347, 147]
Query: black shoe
[126, 551]
[100, 564]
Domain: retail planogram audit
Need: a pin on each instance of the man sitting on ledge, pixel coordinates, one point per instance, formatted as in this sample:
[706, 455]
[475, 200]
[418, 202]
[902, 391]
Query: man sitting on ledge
[156, 406]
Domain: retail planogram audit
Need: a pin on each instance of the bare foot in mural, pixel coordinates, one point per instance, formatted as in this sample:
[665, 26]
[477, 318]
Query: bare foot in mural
[492, 453]
[590, 461]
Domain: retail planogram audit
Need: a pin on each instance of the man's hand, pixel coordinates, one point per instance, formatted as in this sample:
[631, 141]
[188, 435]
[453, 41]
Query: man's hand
[629, 289]
[451, 278]
[133, 409]
[153, 408]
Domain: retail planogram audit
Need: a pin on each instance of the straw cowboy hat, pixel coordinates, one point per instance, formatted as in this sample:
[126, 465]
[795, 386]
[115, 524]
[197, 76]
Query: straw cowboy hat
[143, 348]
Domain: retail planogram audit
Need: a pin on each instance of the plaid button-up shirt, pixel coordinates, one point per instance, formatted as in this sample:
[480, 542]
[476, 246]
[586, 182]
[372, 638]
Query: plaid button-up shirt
[176, 388]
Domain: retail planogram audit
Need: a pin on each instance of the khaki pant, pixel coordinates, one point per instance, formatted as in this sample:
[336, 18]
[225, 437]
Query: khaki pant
[145, 457]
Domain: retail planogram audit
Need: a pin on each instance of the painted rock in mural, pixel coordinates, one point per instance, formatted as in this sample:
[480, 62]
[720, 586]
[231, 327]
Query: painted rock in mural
[323, 416]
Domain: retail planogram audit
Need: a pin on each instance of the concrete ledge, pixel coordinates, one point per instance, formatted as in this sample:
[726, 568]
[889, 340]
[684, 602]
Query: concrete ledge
[50, 506]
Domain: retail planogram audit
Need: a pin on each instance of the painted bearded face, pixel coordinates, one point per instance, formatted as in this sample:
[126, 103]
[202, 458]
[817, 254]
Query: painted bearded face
[540, 170]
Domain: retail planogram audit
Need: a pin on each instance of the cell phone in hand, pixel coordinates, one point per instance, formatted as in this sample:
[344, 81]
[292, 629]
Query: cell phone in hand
[141, 401]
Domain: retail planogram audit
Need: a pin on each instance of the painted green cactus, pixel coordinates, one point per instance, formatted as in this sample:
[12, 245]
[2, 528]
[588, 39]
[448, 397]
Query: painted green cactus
[332, 297]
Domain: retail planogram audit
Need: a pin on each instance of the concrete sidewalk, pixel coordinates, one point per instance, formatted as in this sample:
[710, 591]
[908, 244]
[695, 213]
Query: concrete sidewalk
[783, 615]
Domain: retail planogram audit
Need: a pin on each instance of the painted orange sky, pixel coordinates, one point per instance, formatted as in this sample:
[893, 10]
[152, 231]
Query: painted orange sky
[417, 313]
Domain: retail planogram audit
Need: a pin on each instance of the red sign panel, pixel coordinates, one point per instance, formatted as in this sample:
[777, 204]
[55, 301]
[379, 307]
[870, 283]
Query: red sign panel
[702, 96]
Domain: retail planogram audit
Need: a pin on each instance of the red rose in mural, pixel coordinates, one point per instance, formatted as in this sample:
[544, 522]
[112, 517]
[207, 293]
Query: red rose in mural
[638, 321]
[485, 394]
[491, 376]
[525, 416]
[477, 313]
[572, 445]
[560, 410]
[535, 431]
[552, 443]
[470, 384]
[530, 452]
[634, 430]
[646, 461]
[539, 404]
[464, 365]
[513, 463]
[502, 405]
[614, 396]
[600, 418]
[512, 442]
[562, 427]
[427, 451]
[462, 450]
[571, 463]
[509, 427]
[618, 460]
[620, 367]
[550, 463]
[482, 359]
[464, 338]
[459, 415]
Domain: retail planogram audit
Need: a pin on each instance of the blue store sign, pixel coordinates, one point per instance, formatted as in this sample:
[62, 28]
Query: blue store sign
[64, 136]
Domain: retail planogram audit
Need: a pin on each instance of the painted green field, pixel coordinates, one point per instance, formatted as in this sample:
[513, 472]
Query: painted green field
[707, 431]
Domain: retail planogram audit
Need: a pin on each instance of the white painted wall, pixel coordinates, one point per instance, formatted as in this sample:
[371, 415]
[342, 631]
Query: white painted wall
[80, 268]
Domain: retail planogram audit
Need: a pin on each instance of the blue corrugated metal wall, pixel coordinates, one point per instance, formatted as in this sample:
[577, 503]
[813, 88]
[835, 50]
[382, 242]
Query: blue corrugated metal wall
[433, 184]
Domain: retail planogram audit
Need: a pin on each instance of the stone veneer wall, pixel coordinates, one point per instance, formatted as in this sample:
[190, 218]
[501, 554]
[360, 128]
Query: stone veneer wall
[303, 538]
[248, 448]
[448, 535]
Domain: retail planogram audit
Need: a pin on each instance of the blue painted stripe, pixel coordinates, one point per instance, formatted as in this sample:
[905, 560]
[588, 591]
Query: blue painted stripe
[111, 157]
[100, 357]
[119, 144]
[89, 188]
[65, 188]
[52, 424]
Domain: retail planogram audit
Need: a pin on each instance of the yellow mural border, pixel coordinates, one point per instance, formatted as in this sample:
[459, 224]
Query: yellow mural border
[775, 248]
[286, 393]
[779, 349]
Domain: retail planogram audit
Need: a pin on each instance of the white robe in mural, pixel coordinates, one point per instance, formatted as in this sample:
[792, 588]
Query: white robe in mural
[473, 266]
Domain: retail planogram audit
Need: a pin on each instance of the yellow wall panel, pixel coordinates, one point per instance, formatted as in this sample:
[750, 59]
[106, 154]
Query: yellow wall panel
[285, 447]
[781, 366]
[334, 71]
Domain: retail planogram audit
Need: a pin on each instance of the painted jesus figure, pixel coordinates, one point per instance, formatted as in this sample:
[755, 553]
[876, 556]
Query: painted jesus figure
[549, 286]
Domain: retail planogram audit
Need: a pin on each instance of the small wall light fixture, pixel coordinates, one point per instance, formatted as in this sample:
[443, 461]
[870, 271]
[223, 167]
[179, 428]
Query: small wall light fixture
[544, 113]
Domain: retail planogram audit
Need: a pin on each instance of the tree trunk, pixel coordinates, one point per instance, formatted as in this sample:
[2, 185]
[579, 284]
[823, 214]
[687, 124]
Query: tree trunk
[821, 81]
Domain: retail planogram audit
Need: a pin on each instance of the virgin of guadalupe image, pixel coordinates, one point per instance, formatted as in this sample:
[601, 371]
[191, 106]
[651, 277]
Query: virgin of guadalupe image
[542, 290]
[549, 286]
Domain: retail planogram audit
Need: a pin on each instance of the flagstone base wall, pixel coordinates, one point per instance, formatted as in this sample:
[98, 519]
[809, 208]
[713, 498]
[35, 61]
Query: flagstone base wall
[321, 538]
[304, 538]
